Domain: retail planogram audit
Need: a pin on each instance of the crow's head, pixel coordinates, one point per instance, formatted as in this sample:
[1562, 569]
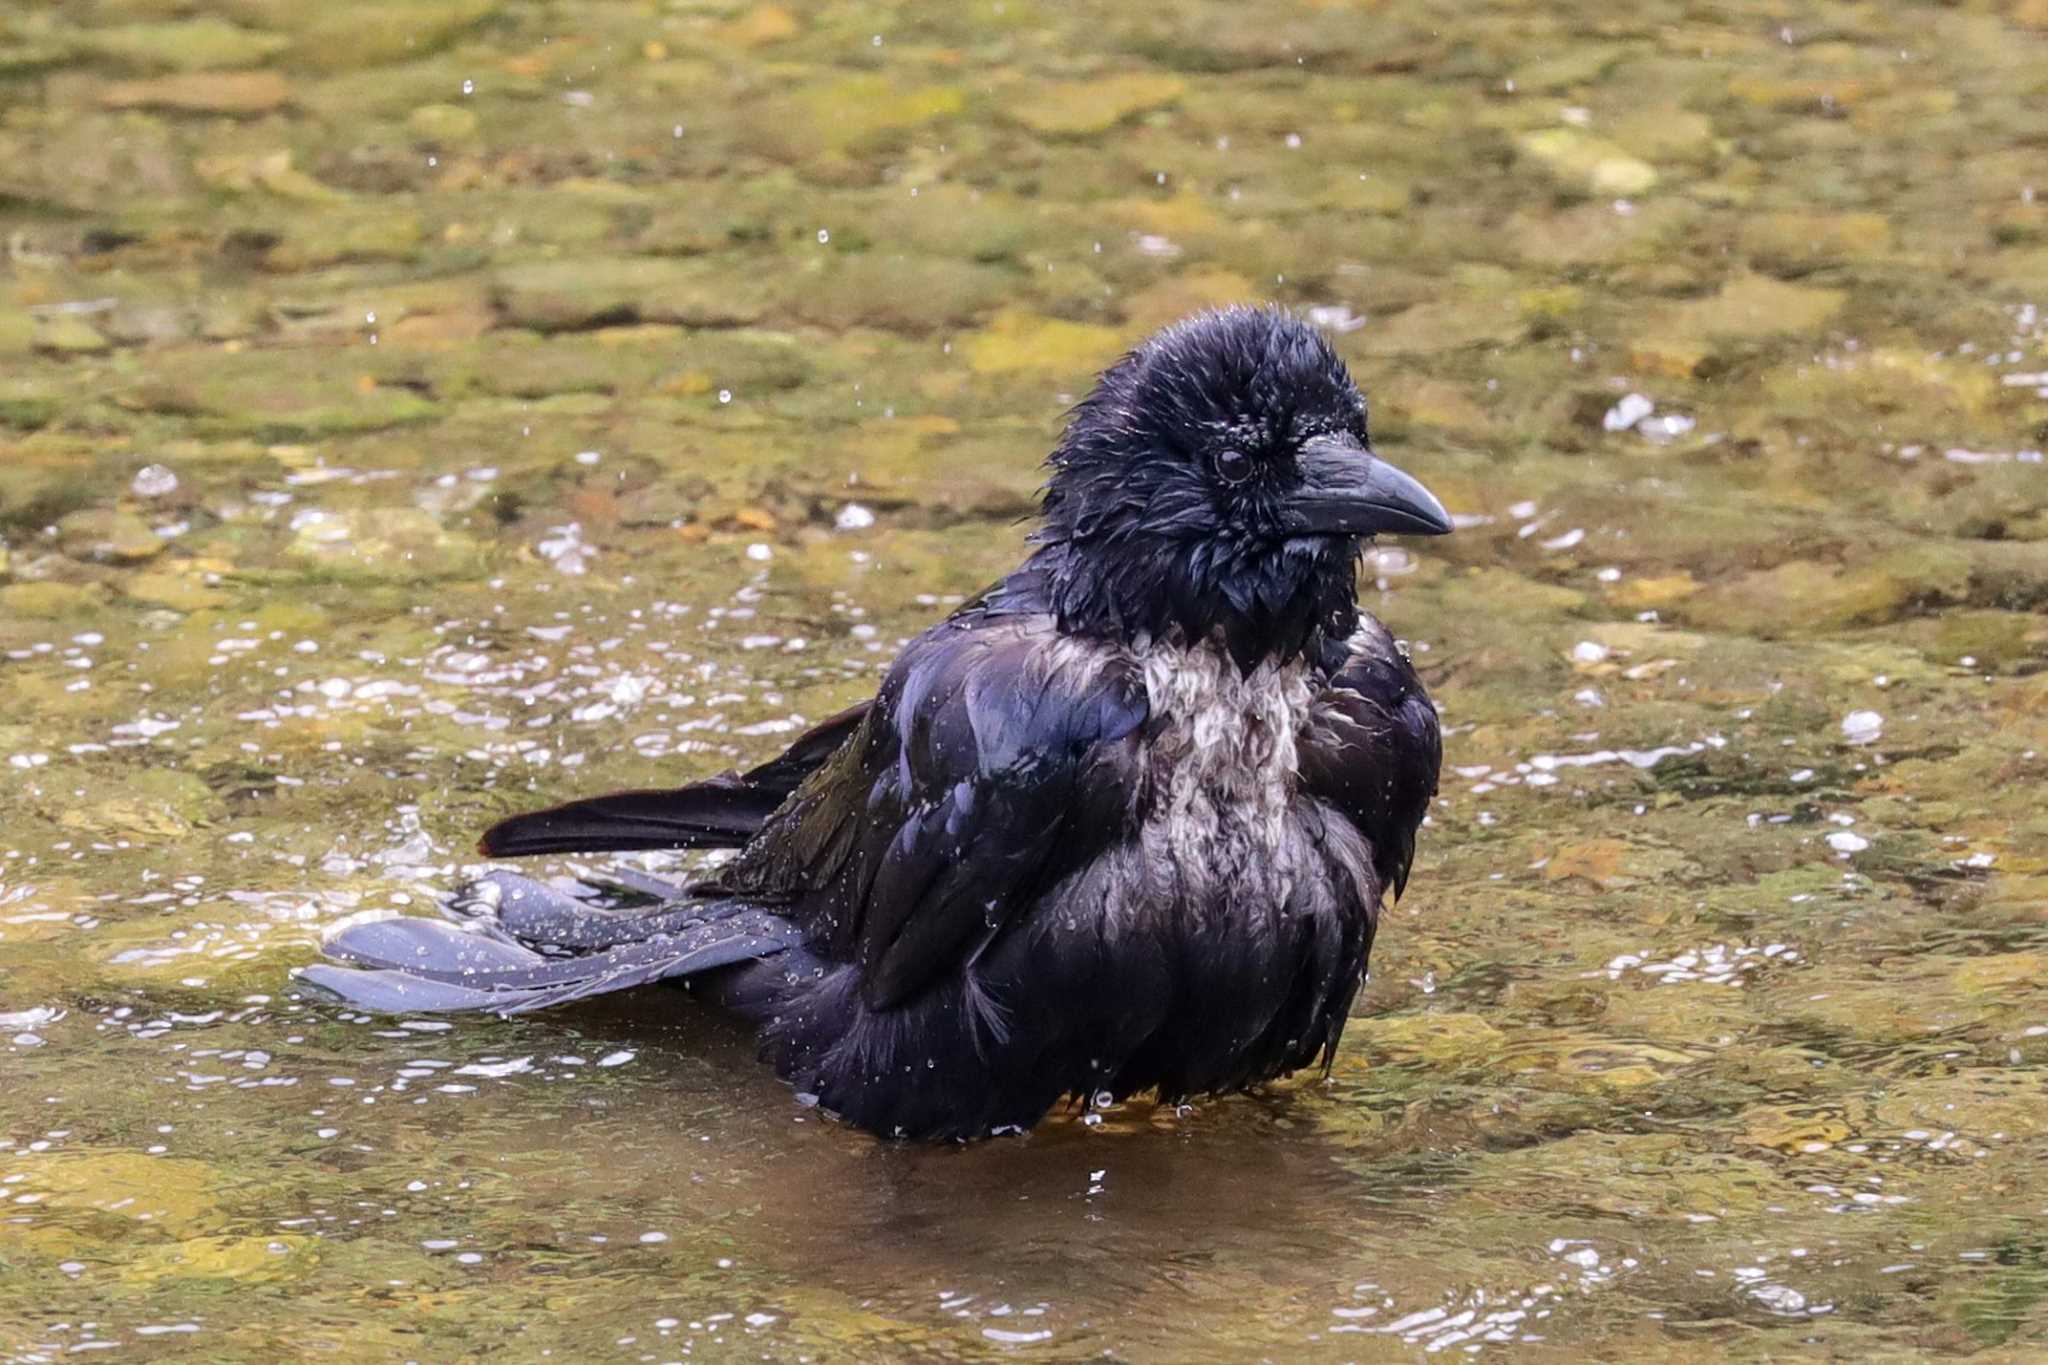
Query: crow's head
[1219, 481]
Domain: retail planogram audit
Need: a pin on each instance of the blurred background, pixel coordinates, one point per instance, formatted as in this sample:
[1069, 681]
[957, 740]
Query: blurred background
[410, 411]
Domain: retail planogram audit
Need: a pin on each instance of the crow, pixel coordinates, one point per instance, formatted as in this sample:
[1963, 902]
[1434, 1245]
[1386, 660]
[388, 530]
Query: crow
[1122, 823]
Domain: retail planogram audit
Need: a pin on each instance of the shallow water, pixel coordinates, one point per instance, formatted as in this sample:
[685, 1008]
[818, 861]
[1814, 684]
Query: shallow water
[460, 404]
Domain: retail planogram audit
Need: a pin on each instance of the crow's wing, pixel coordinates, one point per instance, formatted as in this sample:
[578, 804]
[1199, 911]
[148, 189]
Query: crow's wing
[1373, 747]
[719, 812]
[998, 757]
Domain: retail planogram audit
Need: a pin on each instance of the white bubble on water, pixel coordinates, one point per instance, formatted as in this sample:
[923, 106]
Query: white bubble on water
[154, 481]
[1629, 411]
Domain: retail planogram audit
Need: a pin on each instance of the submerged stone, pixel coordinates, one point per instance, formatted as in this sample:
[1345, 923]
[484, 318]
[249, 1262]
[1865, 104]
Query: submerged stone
[1924, 396]
[50, 600]
[272, 171]
[69, 334]
[443, 122]
[175, 1194]
[1582, 64]
[1588, 162]
[1083, 108]
[864, 107]
[2002, 973]
[406, 544]
[18, 332]
[1801, 1129]
[1443, 325]
[349, 37]
[154, 803]
[244, 1259]
[176, 591]
[1612, 863]
[1987, 640]
[2001, 1104]
[1800, 595]
[557, 295]
[194, 43]
[1439, 1038]
[1666, 134]
[1754, 306]
[1805, 240]
[1674, 357]
[759, 26]
[1636, 1176]
[1796, 94]
[1181, 294]
[242, 93]
[903, 293]
[344, 232]
[106, 535]
[1433, 403]
[1021, 343]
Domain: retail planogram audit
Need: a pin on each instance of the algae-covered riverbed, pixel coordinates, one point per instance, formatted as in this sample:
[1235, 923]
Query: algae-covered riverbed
[414, 411]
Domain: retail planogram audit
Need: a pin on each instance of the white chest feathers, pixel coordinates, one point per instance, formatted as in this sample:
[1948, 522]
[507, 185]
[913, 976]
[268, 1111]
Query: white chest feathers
[1222, 750]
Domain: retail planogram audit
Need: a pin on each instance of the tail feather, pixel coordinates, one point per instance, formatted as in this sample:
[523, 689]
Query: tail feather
[534, 912]
[719, 812]
[429, 948]
[418, 965]
[640, 883]
[390, 991]
[722, 812]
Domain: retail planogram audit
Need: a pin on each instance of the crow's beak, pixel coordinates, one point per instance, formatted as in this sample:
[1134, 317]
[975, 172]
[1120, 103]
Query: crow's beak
[1347, 490]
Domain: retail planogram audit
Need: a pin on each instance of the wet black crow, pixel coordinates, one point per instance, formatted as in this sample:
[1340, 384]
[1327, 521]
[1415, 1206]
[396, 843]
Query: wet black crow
[1122, 823]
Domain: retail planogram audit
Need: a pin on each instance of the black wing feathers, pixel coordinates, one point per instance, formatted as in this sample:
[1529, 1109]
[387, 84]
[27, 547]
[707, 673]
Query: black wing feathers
[784, 773]
[986, 772]
[1374, 749]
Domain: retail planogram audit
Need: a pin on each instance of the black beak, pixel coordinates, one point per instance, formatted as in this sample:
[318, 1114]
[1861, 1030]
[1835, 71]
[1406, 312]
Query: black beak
[1347, 490]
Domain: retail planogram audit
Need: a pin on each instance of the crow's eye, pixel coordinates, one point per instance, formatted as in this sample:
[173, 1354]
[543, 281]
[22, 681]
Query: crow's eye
[1233, 466]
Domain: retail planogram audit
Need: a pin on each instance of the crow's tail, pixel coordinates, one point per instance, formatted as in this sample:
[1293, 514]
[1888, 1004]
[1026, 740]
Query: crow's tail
[496, 962]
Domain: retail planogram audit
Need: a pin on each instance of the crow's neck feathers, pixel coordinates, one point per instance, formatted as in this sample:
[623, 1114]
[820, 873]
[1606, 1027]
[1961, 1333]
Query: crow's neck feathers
[1295, 603]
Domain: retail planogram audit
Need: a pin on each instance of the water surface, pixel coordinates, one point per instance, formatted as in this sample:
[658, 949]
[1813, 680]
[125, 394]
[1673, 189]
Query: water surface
[411, 412]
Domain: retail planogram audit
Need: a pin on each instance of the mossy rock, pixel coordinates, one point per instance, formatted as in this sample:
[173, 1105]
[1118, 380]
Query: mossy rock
[562, 295]
[1087, 108]
[196, 43]
[916, 294]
